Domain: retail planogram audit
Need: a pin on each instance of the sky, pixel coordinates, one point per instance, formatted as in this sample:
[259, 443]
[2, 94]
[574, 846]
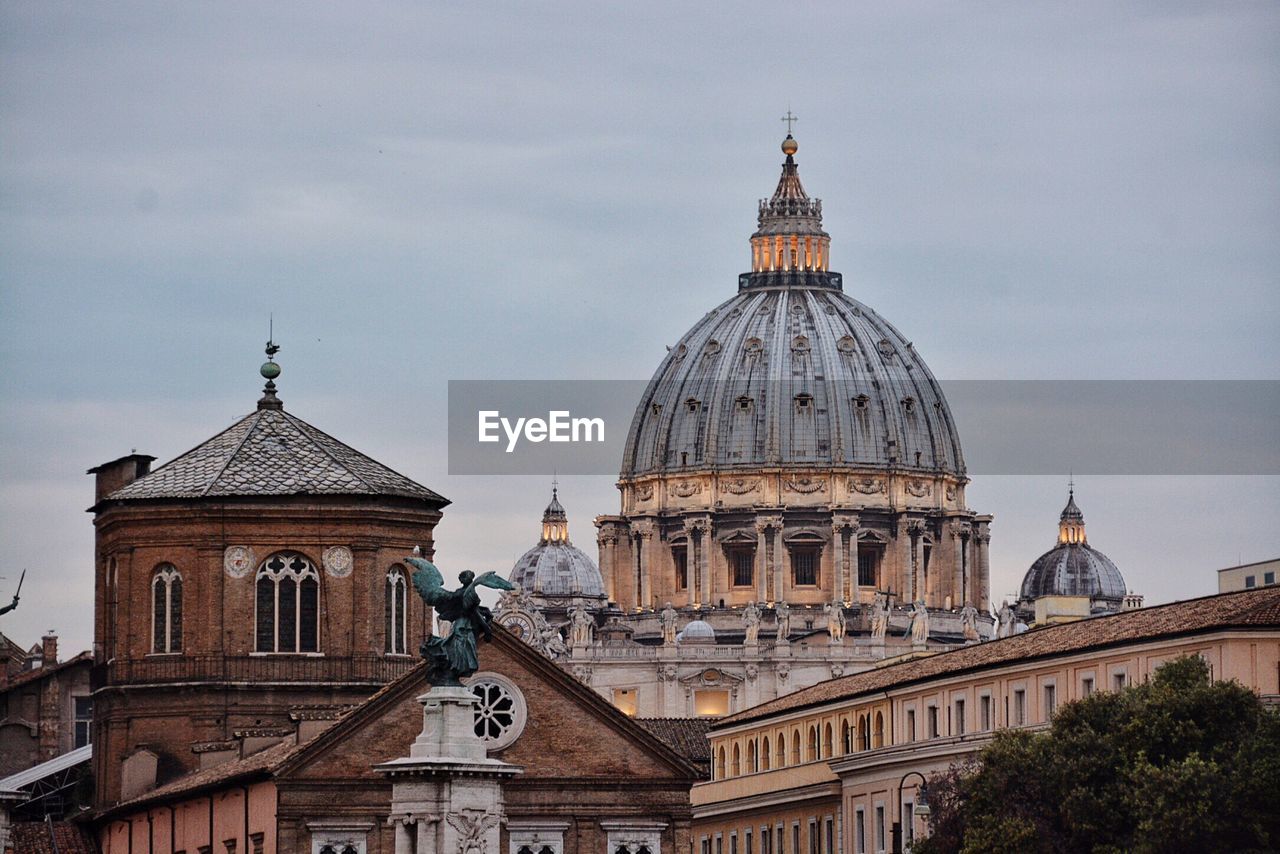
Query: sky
[419, 192]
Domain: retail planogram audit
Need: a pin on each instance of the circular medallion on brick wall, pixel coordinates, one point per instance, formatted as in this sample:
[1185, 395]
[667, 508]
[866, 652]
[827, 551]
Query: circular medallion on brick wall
[237, 561]
[500, 712]
[337, 561]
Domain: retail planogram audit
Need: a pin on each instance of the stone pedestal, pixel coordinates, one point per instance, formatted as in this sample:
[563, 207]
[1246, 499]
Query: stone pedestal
[446, 795]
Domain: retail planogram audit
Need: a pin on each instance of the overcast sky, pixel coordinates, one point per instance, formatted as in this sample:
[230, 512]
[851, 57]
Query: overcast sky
[432, 191]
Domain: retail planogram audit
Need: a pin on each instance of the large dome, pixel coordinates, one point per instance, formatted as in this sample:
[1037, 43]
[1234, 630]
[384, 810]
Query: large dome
[792, 371]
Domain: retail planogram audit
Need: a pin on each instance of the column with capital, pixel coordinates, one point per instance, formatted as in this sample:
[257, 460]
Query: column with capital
[762, 568]
[778, 587]
[704, 565]
[404, 845]
[915, 532]
[837, 560]
[906, 581]
[691, 562]
[855, 571]
[984, 571]
[644, 563]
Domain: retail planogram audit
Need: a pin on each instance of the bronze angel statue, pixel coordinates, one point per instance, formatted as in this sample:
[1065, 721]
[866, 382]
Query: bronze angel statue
[454, 656]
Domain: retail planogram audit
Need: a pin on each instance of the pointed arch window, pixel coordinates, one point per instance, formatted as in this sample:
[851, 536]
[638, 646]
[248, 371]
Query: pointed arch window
[396, 617]
[166, 609]
[287, 604]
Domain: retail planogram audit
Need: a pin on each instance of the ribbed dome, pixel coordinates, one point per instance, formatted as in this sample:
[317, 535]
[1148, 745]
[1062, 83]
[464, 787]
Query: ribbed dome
[555, 567]
[1073, 569]
[792, 372]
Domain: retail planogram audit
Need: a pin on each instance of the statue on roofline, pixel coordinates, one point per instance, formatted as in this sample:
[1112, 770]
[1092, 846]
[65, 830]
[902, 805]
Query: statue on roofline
[453, 656]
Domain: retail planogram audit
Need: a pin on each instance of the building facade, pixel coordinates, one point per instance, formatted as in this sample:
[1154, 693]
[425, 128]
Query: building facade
[835, 767]
[250, 588]
[1247, 576]
[792, 501]
[590, 780]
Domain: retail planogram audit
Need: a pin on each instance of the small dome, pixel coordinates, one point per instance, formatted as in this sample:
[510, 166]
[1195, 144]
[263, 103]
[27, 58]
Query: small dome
[697, 631]
[1073, 567]
[557, 568]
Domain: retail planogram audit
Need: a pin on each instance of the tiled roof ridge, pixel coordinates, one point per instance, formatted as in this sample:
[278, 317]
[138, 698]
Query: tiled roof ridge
[1268, 600]
[256, 415]
[188, 452]
[308, 428]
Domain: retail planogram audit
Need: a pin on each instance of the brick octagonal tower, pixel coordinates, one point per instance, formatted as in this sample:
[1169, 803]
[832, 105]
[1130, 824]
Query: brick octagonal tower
[246, 592]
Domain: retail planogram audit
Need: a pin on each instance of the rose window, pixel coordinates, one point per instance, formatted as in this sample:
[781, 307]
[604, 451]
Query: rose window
[499, 711]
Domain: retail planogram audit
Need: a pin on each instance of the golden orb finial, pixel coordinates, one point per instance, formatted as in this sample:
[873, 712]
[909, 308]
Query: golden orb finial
[790, 146]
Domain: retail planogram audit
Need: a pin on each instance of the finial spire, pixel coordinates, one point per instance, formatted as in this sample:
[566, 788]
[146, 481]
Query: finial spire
[270, 370]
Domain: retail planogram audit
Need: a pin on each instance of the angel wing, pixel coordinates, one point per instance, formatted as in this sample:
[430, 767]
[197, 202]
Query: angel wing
[492, 579]
[427, 580]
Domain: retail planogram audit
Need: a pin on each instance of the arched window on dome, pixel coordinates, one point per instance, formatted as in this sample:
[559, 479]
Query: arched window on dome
[395, 619]
[287, 604]
[806, 557]
[166, 609]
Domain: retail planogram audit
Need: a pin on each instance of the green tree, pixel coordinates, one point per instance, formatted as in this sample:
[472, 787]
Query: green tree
[1181, 763]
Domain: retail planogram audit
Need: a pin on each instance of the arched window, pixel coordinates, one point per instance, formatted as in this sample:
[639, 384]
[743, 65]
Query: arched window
[752, 767]
[812, 753]
[826, 742]
[720, 764]
[846, 737]
[864, 732]
[879, 730]
[781, 741]
[765, 759]
[795, 747]
[166, 609]
[737, 761]
[288, 604]
[396, 622]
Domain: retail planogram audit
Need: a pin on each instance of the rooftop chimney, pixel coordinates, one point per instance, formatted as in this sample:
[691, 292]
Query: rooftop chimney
[118, 473]
[49, 649]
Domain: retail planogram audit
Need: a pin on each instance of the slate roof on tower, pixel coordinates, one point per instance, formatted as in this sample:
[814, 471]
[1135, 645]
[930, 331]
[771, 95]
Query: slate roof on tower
[270, 452]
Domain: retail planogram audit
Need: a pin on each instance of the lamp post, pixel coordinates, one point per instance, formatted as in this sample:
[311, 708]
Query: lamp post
[921, 807]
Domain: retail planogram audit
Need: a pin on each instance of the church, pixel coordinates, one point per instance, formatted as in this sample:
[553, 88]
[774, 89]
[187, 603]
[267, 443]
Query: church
[792, 513]
[792, 502]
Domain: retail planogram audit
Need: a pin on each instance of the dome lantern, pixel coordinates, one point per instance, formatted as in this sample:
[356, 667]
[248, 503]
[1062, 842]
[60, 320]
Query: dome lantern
[789, 236]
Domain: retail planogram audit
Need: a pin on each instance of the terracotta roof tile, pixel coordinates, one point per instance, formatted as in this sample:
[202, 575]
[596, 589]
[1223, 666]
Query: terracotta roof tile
[686, 736]
[33, 837]
[1258, 608]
